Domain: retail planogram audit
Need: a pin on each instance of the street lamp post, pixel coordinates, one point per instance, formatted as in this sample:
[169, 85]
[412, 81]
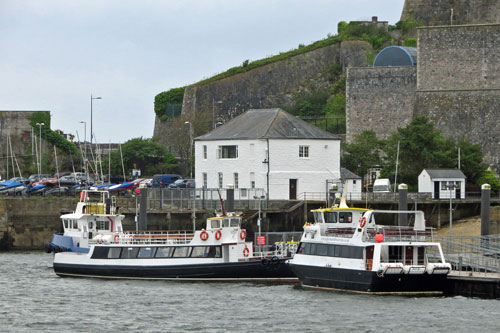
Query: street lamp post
[213, 111]
[259, 220]
[40, 164]
[84, 143]
[92, 133]
[451, 187]
[190, 148]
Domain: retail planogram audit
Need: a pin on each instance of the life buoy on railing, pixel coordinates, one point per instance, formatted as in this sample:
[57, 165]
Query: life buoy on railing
[117, 239]
[246, 252]
[362, 222]
[218, 235]
[243, 234]
[204, 235]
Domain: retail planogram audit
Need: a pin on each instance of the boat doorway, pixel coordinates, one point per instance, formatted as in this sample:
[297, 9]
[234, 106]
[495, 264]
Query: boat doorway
[369, 257]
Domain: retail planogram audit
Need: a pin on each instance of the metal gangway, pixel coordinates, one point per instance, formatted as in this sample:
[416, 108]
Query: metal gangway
[472, 255]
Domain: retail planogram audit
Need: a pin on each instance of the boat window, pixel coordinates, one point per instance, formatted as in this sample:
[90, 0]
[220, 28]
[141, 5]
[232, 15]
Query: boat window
[331, 217]
[164, 252]
[100, 252]
[337, 251]
[225, 223]
[322, 249]
[146, 252]
[307, 248]
[91, 224]
[313, 249]
[75, 224]
[395, 253]
[200, 251]
[318, 217]
[235, 222]
[433, 255]
[65, 222]
[345, 217]
[114, 252]
[181, 252]
[215, 224]
[420, 255]
[129, 252]
[102, 225]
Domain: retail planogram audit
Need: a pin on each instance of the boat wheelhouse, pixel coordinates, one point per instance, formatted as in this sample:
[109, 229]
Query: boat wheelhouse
[95, 219]
[219, 252]
[346, 250]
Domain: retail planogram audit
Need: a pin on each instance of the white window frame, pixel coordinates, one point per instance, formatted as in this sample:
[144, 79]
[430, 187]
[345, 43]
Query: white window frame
[220, 150]
[205, 152]
[221, 180]
[236, 180]
[304, 151]
[205, 180]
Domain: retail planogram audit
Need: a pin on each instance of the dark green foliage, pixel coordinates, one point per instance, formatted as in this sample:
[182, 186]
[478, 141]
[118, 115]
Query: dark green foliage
[310, 104]
[335, 106]
[407, 26]
[173, 96]
[377, 36]
[52, 137]
[410, 42]
[489, 177]
[362, 154]
[471, 160]
[147, 155]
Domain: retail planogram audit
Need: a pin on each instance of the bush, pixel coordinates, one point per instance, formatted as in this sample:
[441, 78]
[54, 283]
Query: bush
[52, 137]
[173, 96]
[489, 177]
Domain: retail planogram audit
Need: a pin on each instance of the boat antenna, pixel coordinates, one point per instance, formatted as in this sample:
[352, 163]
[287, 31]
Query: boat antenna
[222, 203]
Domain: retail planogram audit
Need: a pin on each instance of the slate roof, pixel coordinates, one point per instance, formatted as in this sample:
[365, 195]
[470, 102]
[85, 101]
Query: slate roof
[347, 174]
[266, 124]
[445, 173]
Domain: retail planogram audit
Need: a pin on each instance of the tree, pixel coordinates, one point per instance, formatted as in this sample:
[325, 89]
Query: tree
[362, 154]
[420, 146]
[489, 177]
[471, 161]
[143, 154]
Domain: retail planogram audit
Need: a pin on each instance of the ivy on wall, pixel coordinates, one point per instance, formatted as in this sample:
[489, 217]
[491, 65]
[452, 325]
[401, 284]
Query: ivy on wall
[49, 135]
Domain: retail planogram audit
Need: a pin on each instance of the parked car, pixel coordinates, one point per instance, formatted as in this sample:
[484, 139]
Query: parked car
[183, 183]
[164, 180]
[38, 177]
[382, 185]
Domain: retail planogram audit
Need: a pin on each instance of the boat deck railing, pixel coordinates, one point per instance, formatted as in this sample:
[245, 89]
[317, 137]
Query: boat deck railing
[390, 233]
[156, 237]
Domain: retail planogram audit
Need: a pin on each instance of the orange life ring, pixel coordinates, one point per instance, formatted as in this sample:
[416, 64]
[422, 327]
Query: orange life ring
[246, 252]
[117, 239]
[204, 235]
[218, 235]
[243, 234]
[362, 222]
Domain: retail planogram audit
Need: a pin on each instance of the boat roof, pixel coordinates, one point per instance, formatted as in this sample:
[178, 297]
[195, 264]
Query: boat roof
[335, 209]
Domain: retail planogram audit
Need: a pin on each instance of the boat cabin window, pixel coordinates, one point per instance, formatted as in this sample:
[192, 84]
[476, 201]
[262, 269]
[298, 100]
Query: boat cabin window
[102, 225]
[65, 223]
[75, 224]
[345, 217]
[235, 223]
[164, 252]
[331, 250]
[146, 252]
[181, 252]
[432, 254]
[206, 252]
[225, 223]
[114, 252]
[214, 224]
[129, 252]
[331, 217]
[318, 217]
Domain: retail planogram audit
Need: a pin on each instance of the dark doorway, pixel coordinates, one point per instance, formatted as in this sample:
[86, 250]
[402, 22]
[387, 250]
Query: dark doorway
[458, 193]
[293, 189]
[436, 190]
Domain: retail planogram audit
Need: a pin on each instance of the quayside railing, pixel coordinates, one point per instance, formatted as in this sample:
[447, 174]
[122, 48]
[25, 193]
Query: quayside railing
[472, 255]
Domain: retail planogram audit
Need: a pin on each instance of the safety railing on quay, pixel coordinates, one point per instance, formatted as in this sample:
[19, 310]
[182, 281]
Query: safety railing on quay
[204, 199]
[473, 255]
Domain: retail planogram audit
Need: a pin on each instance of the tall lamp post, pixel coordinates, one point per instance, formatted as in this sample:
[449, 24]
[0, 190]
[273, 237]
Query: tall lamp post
[213, 111]
[190, 148]
[259, 220]
[40, 164]
[451, 187]
[84, 143]
[92, 133]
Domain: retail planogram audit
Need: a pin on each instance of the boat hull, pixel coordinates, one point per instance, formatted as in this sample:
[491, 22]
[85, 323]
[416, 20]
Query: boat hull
[368, 281]
[252, 271]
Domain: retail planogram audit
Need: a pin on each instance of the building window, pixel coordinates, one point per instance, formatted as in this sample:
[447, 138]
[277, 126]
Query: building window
[236, 180]
[220, 180]
[205, 180]
[227, 152]
[354, 182]
[252, 184]
[204, 152]
[304, 151]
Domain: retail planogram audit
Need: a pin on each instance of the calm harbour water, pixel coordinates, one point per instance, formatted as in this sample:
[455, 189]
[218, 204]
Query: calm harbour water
[33, 299]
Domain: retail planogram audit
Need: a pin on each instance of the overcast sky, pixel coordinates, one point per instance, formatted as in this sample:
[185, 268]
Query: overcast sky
[55, 53]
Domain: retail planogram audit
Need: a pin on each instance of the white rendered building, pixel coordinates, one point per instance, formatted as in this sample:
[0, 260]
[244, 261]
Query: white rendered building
[269, 149]
[352, 184]
[442, 183]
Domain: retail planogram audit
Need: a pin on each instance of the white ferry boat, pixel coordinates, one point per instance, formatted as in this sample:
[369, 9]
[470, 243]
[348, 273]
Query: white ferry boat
[346, 250]
[218, 253]
[95, 219]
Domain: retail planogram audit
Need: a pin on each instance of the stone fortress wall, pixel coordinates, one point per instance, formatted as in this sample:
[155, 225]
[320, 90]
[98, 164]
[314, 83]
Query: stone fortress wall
[439, 12]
